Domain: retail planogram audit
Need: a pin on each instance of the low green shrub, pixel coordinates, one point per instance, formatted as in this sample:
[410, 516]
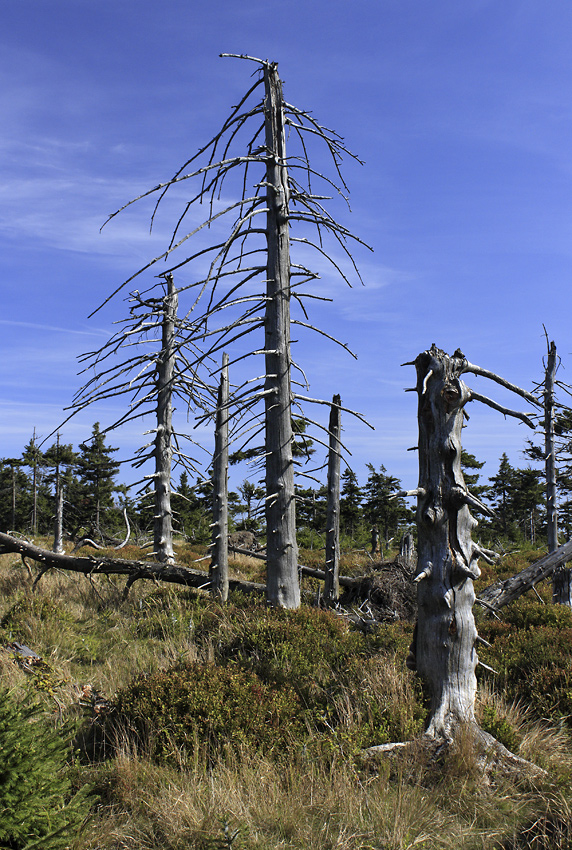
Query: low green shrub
[199, 704]
[500, 728]
[532, 652]
[16, 621]
[280, 679]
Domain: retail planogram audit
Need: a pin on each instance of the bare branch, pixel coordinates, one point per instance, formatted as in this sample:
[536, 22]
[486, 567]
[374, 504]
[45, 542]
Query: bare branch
[477, 370]
[473, 396]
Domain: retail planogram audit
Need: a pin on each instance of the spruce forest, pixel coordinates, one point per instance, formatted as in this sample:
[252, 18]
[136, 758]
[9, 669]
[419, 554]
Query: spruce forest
[248, 646]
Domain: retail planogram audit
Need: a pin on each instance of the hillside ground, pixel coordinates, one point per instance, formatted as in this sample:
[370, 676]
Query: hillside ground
[203, 726]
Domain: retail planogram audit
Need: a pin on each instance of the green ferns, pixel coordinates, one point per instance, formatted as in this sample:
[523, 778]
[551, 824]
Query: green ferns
[38, 808]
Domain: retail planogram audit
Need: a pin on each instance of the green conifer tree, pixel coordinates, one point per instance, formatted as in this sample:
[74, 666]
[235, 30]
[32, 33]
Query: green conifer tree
[96, 471]
[38, 810]
[351, 497]
[382, 508]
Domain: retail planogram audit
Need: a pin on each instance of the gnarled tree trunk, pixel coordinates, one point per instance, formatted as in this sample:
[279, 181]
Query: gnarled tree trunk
[444, 650]
[447, 557]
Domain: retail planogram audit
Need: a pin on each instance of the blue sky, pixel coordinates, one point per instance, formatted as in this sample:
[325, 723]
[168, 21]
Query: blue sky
[462, 113]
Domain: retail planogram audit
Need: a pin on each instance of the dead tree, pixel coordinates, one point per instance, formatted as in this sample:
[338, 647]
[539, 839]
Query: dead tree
[253, 137]
[551, 455]
[59, 506]
[561, 577]
[219, 545]
[281, 545]
[162, 519]
[502, 593]
[332, 582]
[550, 450]
[150, 380]
[32, 458]
[104, 565]
[444, 651]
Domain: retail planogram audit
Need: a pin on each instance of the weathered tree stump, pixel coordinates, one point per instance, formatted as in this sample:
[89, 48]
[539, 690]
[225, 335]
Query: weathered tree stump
[444, 646]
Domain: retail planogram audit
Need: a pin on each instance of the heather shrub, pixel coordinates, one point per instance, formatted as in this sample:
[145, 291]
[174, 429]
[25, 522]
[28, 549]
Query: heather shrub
[500, 727]
[280, 679]
[174, 711]
[531, 652]
[29, 609]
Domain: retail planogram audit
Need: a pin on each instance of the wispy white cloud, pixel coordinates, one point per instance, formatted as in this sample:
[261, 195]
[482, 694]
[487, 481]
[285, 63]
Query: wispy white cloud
[40, 327]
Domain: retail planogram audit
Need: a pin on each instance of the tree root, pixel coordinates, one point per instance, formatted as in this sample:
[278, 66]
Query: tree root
[470, 750]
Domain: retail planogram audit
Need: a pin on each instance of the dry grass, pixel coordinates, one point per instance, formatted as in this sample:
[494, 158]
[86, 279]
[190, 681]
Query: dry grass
[85, 634]
[296, 805]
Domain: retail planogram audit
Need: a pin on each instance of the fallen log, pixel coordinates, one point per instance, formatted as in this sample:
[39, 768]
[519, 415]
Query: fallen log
[251, 553]
[362, 586]
[504, 592]
[132, 570]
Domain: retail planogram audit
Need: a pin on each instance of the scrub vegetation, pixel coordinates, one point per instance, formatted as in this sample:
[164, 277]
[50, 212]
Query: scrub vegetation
[199, 725]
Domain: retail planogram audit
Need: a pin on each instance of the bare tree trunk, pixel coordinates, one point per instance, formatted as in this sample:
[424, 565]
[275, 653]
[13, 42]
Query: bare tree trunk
[133, 570]
[34, 487]
[13, 496]
[443, 651]
[550, 454]
[447, 561]
[58, 522]
[407, 549]
[162, 526]
[59, 513]
[561, 590]
[282, 577]
[332, 582]
[219, 545]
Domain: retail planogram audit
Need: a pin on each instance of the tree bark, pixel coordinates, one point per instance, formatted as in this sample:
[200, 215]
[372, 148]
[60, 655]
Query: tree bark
[550, 454]
[447, 558]
[34, 487]
[443, 650]
[14, 496]
[332, 582]
[58, 519]
[162, 525]
[219, 550]
[283, 586]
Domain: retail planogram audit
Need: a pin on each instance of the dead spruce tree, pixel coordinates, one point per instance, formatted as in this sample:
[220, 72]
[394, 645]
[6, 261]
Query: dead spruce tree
[444, 648]
[561, 583]
[227, 303]
[332, 571]
[219, 546]
[161, 369]
[554, 433]
[550, 449]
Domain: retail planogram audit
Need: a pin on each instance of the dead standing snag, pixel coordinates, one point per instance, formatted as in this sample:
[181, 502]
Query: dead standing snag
[444, 650]
[248, 282]
[151, 380]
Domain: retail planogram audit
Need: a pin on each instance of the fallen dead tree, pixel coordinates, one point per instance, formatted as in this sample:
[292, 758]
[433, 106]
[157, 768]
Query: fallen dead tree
[504, 592]
[103, 565]
[359, 587]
